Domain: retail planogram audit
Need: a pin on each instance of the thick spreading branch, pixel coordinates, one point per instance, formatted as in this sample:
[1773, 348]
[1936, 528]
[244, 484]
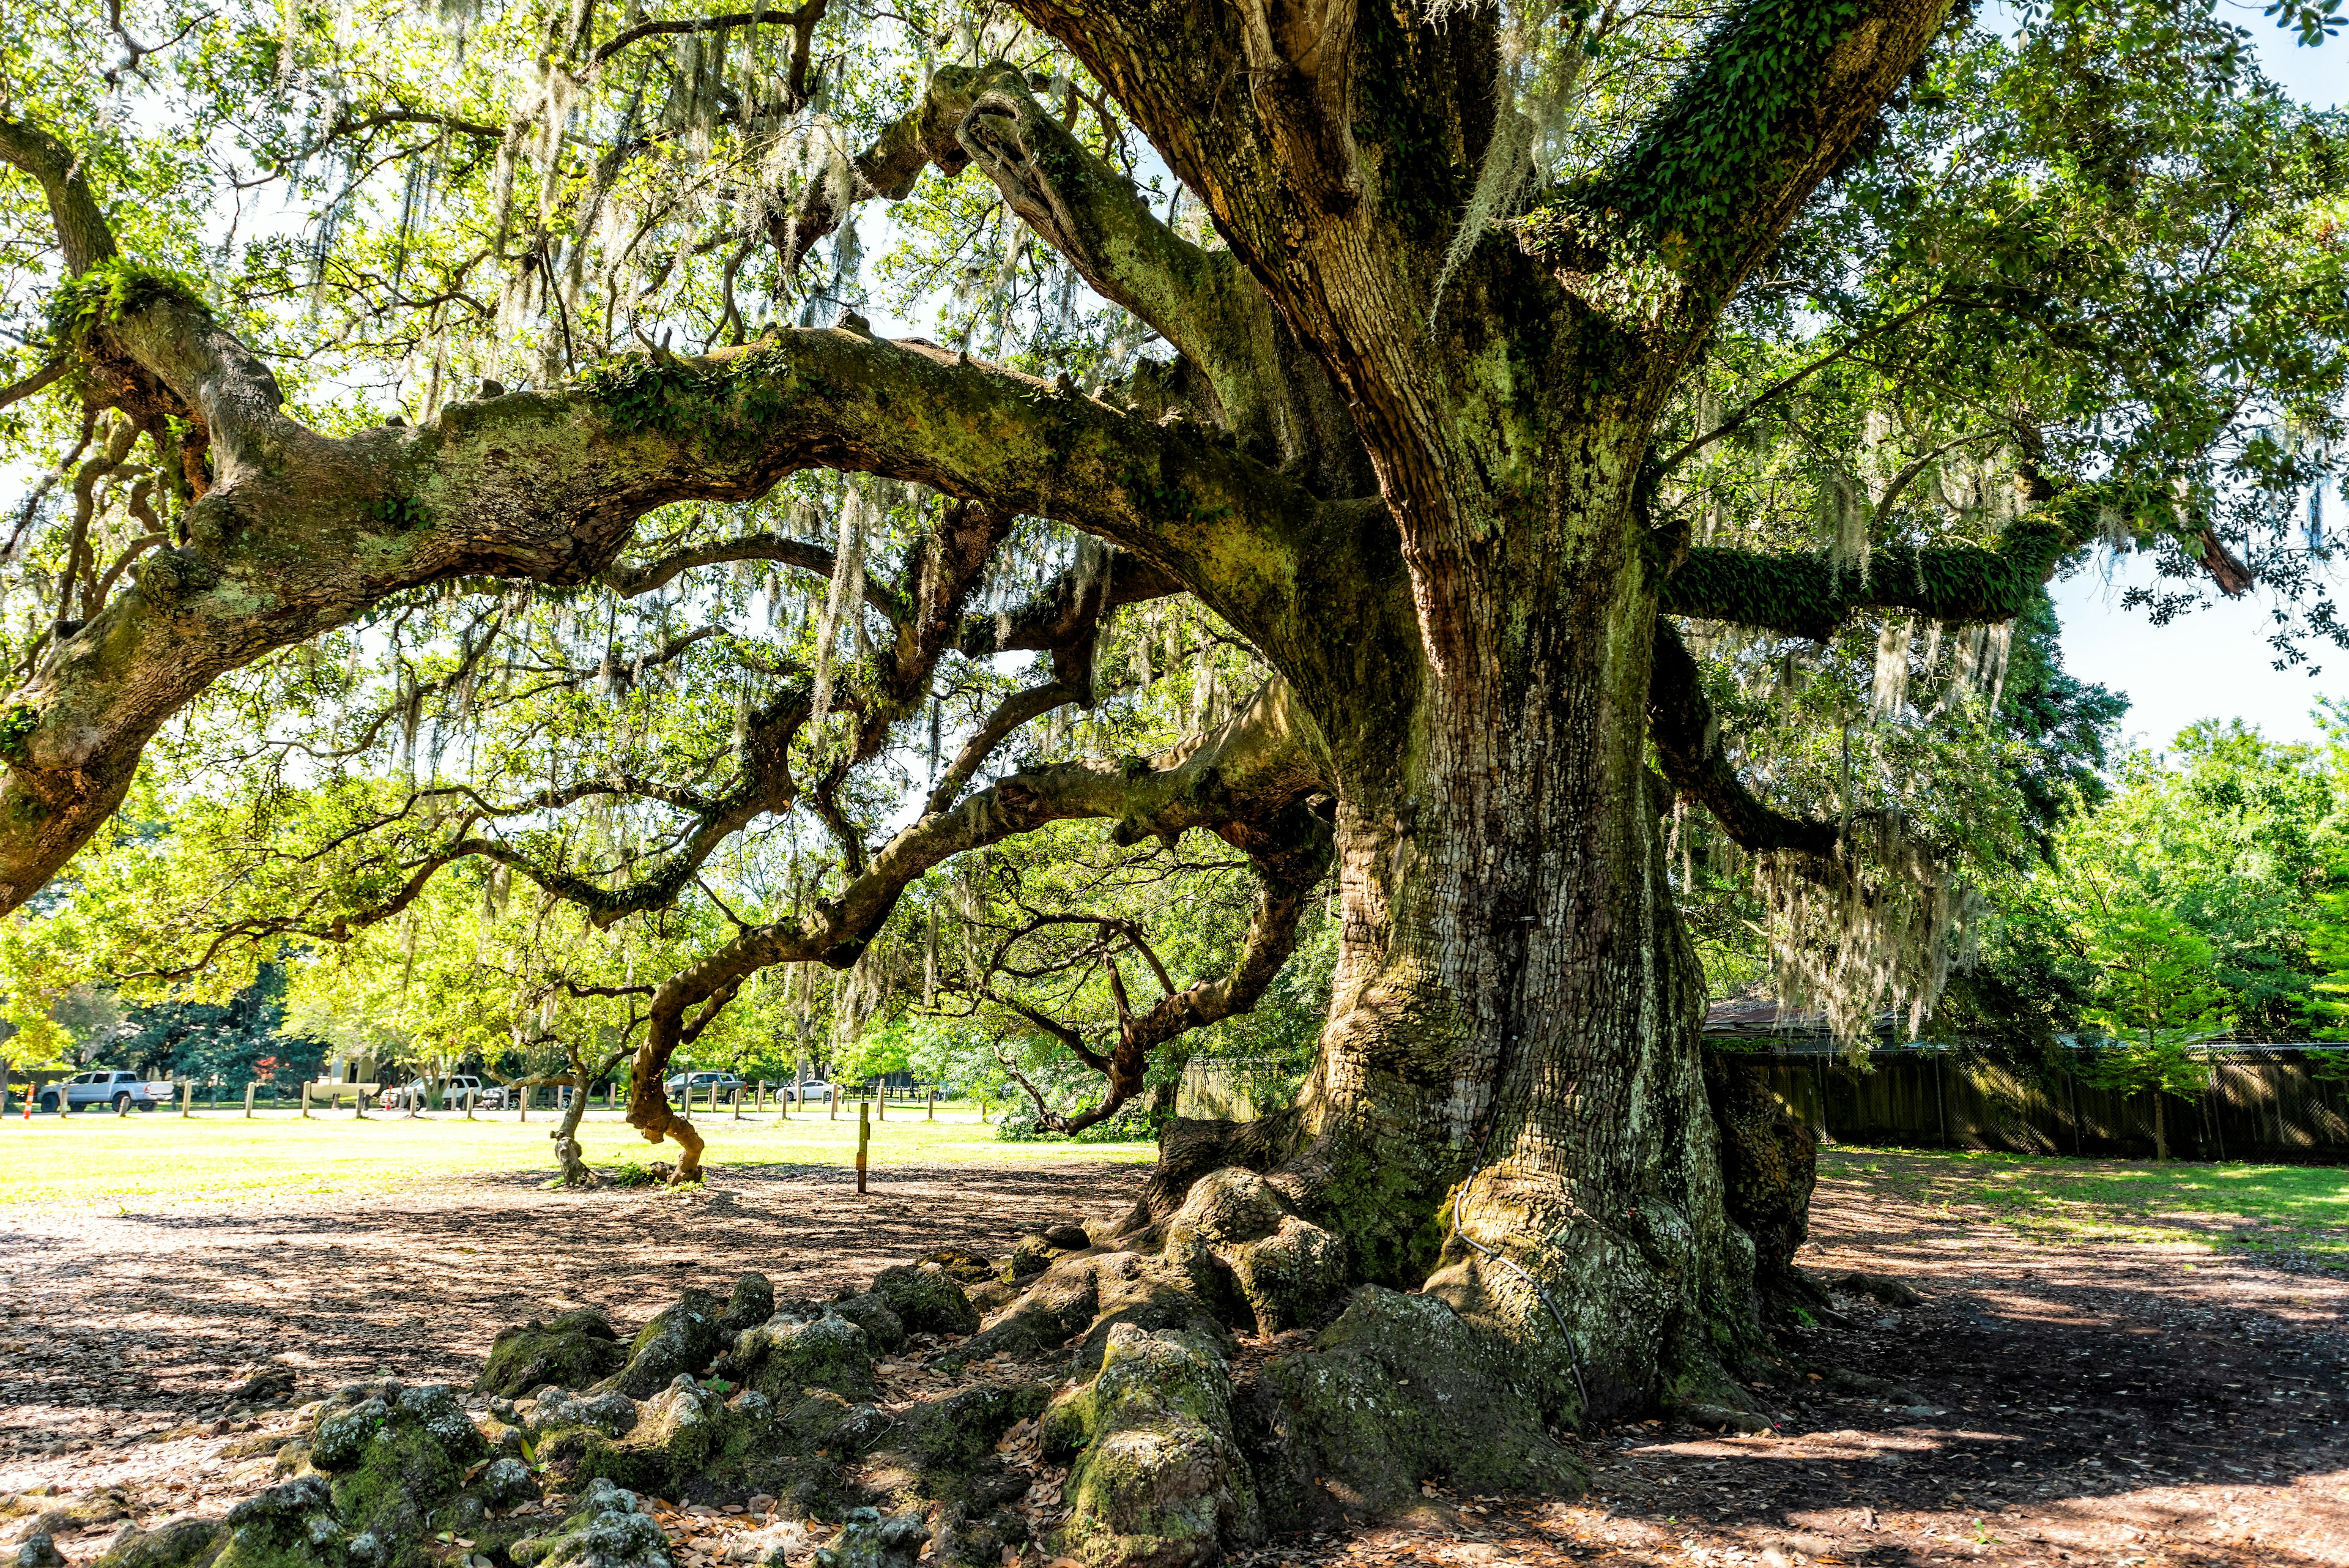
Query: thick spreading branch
[1249, 781]
[1776, 99]
[83, 238]
[1241, 368]
[1812, 596]
[803, 555]
[296, 533]
[1687, 739]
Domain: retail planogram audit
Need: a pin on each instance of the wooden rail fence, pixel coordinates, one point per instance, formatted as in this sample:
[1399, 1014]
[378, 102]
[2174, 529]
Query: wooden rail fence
[2269, 1106]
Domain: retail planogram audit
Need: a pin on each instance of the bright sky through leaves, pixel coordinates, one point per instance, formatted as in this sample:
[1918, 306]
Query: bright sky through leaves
[2215, 663]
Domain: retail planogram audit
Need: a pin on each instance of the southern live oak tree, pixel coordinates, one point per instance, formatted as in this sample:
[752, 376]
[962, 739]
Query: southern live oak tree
[1515, 345]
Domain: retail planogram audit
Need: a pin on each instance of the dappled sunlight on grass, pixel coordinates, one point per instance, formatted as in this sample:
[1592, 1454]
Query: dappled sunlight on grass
[2302, 1209]
[98, 1157]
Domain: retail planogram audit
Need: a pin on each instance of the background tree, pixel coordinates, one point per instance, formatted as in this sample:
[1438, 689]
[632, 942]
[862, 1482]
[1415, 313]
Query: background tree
[2158, 997]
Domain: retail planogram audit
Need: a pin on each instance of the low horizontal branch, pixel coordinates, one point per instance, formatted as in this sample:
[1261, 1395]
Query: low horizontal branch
[1814, 596]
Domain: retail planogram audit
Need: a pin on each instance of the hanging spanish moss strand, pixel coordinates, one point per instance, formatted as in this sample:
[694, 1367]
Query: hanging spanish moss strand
[1996, 648]
[1094, 562]
[1846, 523]
[930, 960]
[1889, 691]
[931, 779]
[845, 596]
[1883, 939]
[1203, 686]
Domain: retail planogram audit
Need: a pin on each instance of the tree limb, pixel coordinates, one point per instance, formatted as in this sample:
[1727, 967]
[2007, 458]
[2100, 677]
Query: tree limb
[1776, 97]
[1248, 780]
[297, 532]
[83, 238]
[1811, 595]
[1687, 739]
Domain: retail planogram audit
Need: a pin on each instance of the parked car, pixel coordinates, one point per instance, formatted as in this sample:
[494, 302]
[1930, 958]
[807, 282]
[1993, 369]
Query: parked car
[107, 1086]
[453, 1091]
[814, 1089]
[419, 1094]
[703, 1083]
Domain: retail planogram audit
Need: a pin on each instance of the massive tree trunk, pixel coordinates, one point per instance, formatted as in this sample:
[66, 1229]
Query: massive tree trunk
[1507, 1110]
[1510, 1071]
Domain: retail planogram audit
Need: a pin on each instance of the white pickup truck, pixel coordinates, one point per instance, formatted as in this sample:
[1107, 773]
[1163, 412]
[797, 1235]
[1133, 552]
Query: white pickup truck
[106, 1087]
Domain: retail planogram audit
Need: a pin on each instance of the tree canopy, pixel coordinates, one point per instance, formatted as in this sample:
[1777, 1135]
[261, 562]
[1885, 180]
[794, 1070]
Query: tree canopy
[2084, 284]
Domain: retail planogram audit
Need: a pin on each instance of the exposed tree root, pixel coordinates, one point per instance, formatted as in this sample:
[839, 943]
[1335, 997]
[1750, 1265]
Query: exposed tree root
[1210, 1376]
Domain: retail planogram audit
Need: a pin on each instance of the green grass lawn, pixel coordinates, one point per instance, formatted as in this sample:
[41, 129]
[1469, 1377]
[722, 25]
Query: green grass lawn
[103, 1158]
[2295, 1207]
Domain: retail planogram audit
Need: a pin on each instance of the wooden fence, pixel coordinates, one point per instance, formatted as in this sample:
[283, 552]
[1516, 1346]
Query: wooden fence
[2270, 1107]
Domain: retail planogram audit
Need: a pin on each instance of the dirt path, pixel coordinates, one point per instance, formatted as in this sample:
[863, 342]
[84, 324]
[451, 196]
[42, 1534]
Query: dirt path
[2102, 1404]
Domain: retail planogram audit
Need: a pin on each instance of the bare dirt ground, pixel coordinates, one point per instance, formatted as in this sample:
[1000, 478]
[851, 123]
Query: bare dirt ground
[2084, 1403]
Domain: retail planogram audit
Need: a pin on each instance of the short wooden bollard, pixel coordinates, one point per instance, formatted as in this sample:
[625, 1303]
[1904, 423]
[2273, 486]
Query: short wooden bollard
[187, 1096]
[737, 1103]
[249, 1088]
[933, 1115]
[881, 1101]
[521, 1105]
[832, 1102]
[864, 1137]
[358, 1106]
[305, 1099]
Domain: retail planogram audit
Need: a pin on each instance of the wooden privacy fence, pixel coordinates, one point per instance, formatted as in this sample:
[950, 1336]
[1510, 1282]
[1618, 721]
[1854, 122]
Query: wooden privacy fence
[2267, 1105]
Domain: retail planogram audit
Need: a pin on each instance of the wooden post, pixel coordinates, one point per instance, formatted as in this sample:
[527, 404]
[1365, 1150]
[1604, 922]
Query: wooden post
[738, 1102]
[2217, 1110]
[305, 1099]
[521, 1103]
[864, 1137]
[4, 1065]
[832, 1102]
[934, 1104]
[881, 1098]
[249, 1088]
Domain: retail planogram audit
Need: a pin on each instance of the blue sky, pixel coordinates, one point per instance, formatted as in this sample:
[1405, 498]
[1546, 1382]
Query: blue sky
[2215, 662]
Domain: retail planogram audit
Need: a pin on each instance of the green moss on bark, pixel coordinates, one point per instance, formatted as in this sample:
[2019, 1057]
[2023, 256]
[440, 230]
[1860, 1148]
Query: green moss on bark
[1398, 1391]
[1159, 1479]
[572, 1349]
